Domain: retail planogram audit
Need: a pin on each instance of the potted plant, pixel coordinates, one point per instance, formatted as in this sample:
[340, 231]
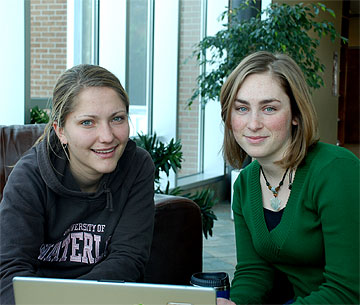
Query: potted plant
[285, 29]
[167, 157]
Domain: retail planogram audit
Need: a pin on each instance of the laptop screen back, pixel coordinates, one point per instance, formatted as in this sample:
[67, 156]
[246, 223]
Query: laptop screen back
[31, 290]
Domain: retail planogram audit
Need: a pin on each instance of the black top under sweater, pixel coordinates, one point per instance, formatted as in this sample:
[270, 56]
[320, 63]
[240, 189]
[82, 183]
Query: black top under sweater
[272, 218]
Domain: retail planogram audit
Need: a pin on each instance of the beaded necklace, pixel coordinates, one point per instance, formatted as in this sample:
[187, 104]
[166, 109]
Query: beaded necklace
[276, 202]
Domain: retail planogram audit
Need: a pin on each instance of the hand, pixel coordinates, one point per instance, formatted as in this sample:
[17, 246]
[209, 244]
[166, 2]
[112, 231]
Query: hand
[222, 301]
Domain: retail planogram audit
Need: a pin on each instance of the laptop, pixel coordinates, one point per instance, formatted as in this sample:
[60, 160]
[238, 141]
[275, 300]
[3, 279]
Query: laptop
[41, 291]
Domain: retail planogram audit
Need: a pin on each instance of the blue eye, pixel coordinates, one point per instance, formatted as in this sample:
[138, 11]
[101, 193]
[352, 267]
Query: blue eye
[118, 119]
[241, 108]
[269, 109]
[86, 123]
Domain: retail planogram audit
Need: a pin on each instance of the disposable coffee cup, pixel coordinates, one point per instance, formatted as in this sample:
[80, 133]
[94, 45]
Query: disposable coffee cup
[217, 280]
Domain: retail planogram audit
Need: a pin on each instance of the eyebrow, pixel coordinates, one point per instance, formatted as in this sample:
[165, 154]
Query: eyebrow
[94, 115]
[262, 102]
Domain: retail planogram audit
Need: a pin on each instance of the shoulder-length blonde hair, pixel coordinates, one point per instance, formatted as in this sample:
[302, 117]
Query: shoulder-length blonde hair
[292, 80]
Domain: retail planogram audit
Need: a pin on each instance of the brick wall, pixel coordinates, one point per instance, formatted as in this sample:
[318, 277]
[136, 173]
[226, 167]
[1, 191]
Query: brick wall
[188, 121]
[48, 45]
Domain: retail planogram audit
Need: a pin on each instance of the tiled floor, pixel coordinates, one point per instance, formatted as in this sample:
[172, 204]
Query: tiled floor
[219, 250]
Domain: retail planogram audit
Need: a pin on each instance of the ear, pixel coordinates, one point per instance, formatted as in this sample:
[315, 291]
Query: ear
[60, 133]
[295, 121]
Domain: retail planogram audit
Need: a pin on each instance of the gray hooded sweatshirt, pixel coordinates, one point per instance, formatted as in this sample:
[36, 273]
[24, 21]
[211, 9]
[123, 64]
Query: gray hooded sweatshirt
[50, 228]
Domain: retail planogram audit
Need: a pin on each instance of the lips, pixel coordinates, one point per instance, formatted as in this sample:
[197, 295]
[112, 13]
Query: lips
[104, 151]
[255, 139]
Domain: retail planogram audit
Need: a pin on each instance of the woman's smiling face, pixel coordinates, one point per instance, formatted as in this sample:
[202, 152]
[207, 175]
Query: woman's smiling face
[96, 133]
[261, 118]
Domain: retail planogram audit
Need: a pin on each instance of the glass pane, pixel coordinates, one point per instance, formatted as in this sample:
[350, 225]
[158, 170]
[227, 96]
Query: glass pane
[137, 51]
[87, 35]
[137, 64]
[85, 32]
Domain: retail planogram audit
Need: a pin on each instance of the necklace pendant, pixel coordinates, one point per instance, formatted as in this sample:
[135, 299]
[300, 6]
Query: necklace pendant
[275, 203]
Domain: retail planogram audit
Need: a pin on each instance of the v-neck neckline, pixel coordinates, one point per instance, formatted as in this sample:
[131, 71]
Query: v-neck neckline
[277, 236]
[274, 240]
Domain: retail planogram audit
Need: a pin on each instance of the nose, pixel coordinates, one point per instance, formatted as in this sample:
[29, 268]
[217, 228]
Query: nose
[255, 122]
[105, 133]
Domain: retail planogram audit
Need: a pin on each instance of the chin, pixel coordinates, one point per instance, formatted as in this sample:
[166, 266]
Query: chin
[107, 169]
[254, 153]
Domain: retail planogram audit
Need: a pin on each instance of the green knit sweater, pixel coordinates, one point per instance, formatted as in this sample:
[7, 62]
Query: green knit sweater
[316, 243]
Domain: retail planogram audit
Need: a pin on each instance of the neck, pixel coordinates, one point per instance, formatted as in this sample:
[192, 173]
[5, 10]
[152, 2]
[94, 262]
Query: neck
[273, 171]
[276, 174]
[88, 184]
[276, 185]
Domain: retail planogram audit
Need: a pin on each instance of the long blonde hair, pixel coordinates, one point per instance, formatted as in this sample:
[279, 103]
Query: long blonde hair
[292, 80]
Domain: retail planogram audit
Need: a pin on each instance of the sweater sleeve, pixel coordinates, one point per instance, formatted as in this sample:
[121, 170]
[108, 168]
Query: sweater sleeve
[129, 248]
[336, 198]
[253, 276]
[21, 226]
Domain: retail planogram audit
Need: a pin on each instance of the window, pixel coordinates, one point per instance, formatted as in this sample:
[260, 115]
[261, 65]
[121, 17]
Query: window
[201, 127]
[139, 63]
[48, 49]
[150, 56]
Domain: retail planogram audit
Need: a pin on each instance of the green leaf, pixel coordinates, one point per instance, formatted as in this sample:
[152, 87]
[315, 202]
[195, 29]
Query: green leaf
[38, 116]
[331, 12]
[323, 7]
[286, 29]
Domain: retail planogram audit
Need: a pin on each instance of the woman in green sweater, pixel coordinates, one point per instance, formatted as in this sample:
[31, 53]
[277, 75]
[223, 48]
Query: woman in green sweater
[296, 206]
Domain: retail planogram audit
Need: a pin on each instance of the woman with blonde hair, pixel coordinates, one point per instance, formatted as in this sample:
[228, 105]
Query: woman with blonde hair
[296, 206]
[80, 203]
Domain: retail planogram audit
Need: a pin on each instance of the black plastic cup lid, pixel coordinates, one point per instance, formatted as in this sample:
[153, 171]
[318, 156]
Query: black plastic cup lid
[210, 279]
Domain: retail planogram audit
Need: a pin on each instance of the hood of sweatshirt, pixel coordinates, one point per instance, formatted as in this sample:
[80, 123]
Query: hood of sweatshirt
[55, 171]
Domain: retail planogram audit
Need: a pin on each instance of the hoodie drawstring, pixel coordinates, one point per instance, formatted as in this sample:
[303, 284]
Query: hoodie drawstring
[109, 200]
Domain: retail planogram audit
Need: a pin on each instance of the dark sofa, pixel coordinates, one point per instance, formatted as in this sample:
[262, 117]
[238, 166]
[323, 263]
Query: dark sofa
[176, 251]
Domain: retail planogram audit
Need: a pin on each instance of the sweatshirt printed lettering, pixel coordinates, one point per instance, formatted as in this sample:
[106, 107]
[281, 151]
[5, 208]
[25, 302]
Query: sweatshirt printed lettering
[77, 247]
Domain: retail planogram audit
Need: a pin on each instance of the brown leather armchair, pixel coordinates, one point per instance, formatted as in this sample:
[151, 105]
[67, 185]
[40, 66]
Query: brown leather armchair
[176, 251]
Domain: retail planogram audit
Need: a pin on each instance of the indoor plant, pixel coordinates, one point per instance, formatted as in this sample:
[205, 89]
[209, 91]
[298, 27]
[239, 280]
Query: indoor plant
[167, 157]
[38, 116]
[286, 29]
